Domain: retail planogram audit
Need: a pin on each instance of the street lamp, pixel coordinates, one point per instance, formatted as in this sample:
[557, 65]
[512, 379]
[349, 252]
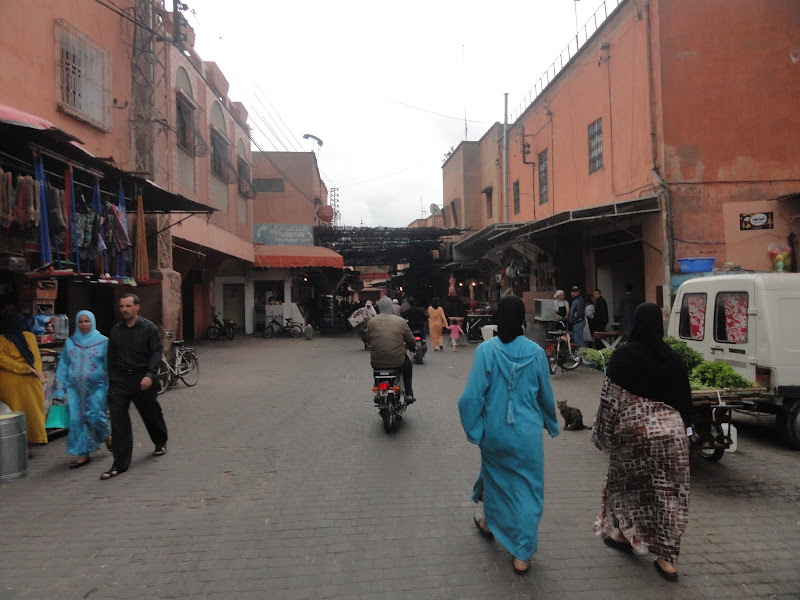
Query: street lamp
[313, 137]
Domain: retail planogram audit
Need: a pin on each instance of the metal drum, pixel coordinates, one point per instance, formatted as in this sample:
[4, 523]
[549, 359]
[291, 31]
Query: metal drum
[13, 446]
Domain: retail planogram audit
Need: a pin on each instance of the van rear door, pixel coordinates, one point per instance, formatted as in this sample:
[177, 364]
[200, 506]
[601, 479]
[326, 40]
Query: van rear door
[732, 327]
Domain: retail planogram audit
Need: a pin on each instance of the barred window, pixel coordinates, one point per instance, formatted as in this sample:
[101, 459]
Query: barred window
[542, 160]
[84, 77]
[515, 188]
[596, 146]
[455, 213]
[489, 207]
[219, 148]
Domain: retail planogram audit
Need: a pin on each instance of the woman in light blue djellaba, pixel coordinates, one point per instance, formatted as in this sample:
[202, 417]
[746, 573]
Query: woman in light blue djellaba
[505, 407]
[82, 376]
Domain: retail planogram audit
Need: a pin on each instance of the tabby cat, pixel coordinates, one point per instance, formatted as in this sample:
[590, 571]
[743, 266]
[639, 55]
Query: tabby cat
[573, 418]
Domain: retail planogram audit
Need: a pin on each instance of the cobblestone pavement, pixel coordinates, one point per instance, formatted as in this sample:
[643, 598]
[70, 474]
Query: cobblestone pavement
[280, 483]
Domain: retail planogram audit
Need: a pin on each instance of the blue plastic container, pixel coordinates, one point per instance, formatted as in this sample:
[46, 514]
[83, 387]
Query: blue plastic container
[696, 264]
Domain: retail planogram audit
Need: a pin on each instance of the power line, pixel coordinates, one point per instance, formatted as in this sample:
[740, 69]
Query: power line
[267, 125]
[433, 112]
[277, 136]
[266, 98]
[382, 176]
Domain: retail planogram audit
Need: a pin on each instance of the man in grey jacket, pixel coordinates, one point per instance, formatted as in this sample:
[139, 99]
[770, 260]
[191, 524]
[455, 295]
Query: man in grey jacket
[388, 337]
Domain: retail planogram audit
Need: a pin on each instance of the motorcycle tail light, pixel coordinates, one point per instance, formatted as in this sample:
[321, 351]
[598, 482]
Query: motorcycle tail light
[383, 386]
[764, 377]
[418, 339]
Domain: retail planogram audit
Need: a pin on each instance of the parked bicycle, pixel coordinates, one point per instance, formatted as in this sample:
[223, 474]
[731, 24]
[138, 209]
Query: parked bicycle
[224, 327]
[275, 327]
[185, 366]
[561, 351]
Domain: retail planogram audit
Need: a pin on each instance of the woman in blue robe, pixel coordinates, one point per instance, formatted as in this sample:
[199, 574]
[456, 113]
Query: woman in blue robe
[505, 406]
[82, 376]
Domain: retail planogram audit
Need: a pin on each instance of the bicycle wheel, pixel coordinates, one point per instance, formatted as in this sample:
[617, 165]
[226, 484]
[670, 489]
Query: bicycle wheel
[190, 369]
[213, 332]
[230, 331]
[296, 330]
[163, 376]
[268, 331]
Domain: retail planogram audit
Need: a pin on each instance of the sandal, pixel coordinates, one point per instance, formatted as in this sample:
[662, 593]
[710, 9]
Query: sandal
[111, 473]
[79, 463]
[481, 525]
[673, 577]
[160, 451]
[522, 571]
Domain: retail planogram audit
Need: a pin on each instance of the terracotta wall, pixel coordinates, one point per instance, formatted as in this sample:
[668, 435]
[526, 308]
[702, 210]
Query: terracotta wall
[292, 205]
[29, 76]
[731, 80]
[608, 80]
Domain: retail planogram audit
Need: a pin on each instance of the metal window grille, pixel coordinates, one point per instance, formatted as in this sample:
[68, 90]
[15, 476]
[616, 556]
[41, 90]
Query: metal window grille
[542, 160]
[455, 213]
[516, 197]
[221, 166]
[268, 185]
[596, 146]
[84, 76]
[245, 185]
[189, 138]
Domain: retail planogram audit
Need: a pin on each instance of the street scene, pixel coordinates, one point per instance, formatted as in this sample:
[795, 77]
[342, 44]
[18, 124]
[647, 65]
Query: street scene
[314, 300]
[280, 482]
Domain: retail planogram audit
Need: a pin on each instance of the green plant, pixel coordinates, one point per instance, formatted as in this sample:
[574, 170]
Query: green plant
[692, 358]
[717, 375]
[598, 358]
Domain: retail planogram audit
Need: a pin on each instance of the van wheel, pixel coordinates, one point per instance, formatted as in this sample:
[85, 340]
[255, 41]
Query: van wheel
[791, 412]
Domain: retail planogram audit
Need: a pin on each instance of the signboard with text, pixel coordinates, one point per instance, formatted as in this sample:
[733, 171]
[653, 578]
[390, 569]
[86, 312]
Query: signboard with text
[283, 234]
[750, 221]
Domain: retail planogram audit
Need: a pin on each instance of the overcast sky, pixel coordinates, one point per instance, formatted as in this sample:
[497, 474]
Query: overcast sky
[361, 76]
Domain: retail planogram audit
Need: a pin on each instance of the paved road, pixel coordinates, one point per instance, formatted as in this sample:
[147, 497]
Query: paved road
[280, 483]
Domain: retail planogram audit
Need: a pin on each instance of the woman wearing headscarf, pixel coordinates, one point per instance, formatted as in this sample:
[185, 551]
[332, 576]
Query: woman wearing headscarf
[643, 422]
[506, 405]
[82, 376]
[21, 375]
[436, 322]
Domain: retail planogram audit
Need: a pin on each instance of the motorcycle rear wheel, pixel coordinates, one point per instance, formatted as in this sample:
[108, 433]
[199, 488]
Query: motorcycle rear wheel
[388, 416]
[230, 331]
[213, 333]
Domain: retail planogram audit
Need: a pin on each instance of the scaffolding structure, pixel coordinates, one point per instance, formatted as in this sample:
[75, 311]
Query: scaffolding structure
[333, 198]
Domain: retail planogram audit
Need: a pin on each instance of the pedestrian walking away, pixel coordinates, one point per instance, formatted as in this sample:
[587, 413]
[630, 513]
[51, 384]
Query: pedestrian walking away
[455, 333]
[82, 377]
[506, 405]
[134, 353]
[21, 376]
[600, 320]
[437, 321]
[644, 422]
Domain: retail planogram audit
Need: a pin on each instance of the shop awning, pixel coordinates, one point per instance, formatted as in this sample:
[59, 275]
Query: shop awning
[478, 242]
[285, 257]
[22, 132]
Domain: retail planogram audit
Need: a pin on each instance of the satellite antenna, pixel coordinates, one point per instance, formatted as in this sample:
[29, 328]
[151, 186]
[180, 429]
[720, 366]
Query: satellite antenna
[435, 210]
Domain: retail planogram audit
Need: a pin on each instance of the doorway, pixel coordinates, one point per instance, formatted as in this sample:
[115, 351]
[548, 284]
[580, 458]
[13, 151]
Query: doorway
[614, 268]
[187, 307]
[233, 303]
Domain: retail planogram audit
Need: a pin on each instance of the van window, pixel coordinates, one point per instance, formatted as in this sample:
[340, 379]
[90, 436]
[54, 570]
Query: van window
[730, 317]
[692, 325]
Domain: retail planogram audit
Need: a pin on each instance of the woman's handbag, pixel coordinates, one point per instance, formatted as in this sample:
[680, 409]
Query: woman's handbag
[57, 417]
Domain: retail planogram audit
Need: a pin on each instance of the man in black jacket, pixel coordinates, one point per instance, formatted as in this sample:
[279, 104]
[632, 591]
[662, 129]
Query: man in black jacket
[134, 354]
[600, 319]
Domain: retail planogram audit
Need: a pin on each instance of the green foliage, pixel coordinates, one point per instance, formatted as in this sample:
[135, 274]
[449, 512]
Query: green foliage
[692, 358]
[717, 375]
[597, 357]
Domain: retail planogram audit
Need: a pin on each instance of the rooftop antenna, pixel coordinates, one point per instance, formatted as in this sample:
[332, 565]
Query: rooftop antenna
[421, 207]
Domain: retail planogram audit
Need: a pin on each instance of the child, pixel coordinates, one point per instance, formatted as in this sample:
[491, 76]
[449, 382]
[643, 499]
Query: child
[455, 332]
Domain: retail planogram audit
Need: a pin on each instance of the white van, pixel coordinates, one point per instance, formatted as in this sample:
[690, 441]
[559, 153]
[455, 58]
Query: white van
[752, 322]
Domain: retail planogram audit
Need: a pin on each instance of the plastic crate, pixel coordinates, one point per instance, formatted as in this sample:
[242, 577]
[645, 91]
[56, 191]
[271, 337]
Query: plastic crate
[696, 264]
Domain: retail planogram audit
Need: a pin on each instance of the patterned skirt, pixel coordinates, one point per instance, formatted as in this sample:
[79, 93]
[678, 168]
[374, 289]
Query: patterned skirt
[646, 492]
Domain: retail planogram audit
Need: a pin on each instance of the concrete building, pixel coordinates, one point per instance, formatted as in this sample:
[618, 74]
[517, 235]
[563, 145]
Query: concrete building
[658, 138]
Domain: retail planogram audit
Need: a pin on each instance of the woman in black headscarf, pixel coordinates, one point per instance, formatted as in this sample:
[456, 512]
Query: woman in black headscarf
[644, 415]
[21, 375]
[506, 405]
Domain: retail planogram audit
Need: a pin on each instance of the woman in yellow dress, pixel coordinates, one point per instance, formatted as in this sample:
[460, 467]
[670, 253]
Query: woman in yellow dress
[21, 375]
[436, 323]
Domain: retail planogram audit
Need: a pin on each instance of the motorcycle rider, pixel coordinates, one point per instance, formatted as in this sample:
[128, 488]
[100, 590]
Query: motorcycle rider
[388, 337]
[414, 316]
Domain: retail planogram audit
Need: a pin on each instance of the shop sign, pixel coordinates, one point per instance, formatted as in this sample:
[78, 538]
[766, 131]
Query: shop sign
[750, 221]
[283, 234]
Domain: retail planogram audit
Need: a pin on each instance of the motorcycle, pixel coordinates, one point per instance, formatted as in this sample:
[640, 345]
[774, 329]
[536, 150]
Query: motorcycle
[422, 347]
[218, 327]
[389, 396]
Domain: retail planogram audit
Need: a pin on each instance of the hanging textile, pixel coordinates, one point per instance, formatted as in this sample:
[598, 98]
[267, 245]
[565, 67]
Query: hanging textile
[100, 241]
[141, 266]
[125, 257]
[45, 255]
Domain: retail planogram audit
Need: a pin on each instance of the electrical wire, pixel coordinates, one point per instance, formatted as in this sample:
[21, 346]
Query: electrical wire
[286, 137]
[382, 176]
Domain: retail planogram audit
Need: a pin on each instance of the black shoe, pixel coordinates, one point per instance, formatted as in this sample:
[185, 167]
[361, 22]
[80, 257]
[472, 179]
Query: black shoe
[673, 577]
[410, 399]
[621, 546]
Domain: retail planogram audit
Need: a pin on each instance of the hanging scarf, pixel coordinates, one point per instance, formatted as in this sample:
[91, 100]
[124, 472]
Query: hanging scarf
[84, 340]
[11, 326]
